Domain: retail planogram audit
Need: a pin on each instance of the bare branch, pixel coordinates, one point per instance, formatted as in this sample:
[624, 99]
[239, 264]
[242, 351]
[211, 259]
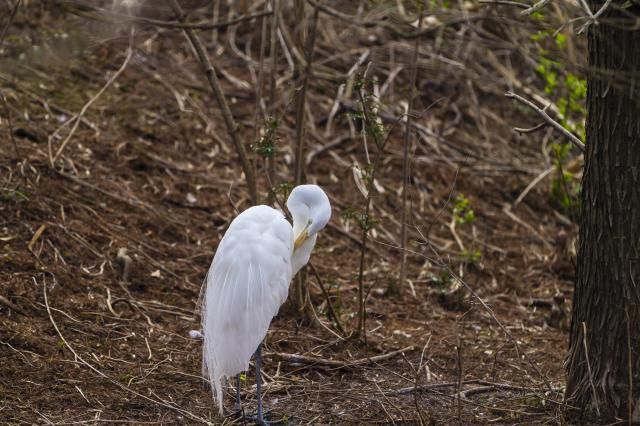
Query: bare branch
[550, 121]
[311, 360]
[302, 98]
[530, 129]
[536, 7]
[506, 3]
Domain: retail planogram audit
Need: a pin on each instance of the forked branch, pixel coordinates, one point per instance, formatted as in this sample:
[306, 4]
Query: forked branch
[550, 121]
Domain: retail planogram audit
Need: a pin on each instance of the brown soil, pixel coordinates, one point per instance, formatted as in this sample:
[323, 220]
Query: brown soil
[152, 170]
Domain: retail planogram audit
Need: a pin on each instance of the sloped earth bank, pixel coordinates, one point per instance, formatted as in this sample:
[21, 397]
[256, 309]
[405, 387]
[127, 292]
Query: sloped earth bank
[150, 169]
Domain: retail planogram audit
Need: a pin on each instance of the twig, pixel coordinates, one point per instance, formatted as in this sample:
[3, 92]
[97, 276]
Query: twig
[216, 88]
[259, 102]
[369, 123]
[424, 388]
[301, 101]
[331, 312]
[52, 159]
[506, 209]
[301, 289]
[9, 304]
[365, 225]
[593, 19]
[393, 422]
[505, 3]
[316, 361]
[417, 380]
[533, 183]
[533, 129]
[24, 357]
[567, 134]
[536, 7]
[405, 163]
[273, 52]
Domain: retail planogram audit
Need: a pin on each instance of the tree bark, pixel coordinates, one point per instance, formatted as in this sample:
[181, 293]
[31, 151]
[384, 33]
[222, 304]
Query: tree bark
[603, 358]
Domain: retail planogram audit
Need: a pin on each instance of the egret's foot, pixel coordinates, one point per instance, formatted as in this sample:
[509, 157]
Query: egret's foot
[259, 420]
[237, 412]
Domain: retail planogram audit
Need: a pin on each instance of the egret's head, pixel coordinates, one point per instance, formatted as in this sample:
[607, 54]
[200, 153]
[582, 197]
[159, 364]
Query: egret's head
[311, 211]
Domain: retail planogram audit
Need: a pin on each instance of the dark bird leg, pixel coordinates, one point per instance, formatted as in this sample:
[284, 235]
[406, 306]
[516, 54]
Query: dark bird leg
[238, 406]
[260, 419]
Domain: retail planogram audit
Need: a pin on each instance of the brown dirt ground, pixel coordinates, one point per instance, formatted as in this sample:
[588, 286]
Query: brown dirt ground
[160, 179]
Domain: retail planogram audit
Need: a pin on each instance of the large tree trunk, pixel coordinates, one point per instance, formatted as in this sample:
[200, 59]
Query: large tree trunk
[603, 381]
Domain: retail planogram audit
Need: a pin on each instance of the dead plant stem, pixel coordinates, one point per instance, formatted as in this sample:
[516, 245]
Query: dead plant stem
[369, 123]
[405, 164]
[301, 100]
[301, 289]
[218, 92]
[273, 52]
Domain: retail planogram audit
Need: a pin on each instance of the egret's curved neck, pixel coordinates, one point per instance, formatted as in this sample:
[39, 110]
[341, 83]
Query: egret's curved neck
[302, 254]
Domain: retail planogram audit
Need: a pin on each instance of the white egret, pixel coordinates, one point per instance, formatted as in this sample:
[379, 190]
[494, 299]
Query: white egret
[249, 280]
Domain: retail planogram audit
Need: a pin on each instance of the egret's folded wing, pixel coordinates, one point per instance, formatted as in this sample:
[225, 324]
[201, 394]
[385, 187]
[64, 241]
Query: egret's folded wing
[247, 283]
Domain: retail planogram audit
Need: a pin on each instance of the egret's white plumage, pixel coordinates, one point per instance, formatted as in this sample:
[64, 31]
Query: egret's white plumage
[249, 279]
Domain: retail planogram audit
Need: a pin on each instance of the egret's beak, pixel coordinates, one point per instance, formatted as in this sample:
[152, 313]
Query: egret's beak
[303, 235]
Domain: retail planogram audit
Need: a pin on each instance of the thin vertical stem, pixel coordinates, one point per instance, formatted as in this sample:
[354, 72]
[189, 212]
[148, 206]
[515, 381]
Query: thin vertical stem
[380, 144]
[405, 163]
[273, 52]
[260, 112]
[216, 88]
[301, 100]
[301, 288]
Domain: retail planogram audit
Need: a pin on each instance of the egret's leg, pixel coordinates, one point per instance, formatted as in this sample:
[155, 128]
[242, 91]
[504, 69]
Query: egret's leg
[238, 406]
[260, 419]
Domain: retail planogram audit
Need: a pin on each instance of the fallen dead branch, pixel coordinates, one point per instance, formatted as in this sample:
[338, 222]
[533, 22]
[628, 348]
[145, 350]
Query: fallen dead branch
[322, 362]
[9, 304]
